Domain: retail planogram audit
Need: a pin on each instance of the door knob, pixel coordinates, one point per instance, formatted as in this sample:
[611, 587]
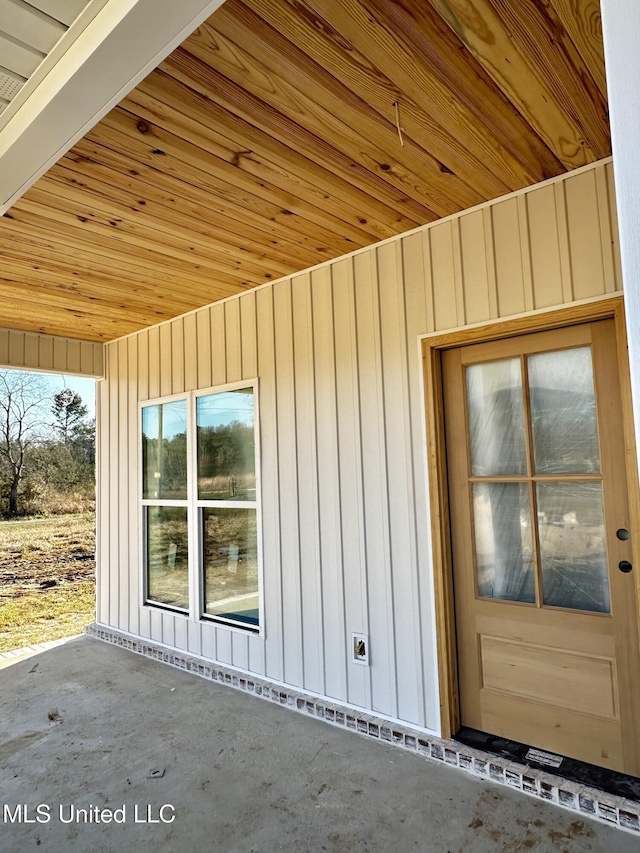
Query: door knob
[625, 566]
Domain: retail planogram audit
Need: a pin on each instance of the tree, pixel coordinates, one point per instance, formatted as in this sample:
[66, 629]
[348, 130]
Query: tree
[68, 411]
[64, 460]
[22, 422]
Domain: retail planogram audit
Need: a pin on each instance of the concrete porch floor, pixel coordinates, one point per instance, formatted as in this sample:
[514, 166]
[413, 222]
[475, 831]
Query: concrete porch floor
[83, 724]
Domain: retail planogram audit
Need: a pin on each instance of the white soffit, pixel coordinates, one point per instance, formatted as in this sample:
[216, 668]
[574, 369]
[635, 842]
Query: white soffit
[102, 50]
[33, 36]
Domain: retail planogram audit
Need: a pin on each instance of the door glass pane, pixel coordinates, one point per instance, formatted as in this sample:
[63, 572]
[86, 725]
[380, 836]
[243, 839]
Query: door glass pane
[167, 555]
[226, 446]
[496, 418]
[563, 412]
[573, 549]
[164, 451]
[231, 564]
[504, 554]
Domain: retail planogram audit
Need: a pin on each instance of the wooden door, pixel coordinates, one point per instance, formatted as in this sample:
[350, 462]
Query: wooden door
[543, 583]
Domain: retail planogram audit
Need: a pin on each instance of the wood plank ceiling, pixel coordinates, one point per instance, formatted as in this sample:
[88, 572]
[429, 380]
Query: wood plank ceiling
[287, 132]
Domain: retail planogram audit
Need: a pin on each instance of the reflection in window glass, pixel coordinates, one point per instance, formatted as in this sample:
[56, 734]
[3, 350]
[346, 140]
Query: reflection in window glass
[503, 542]
[563, 412]
[226, 446]
[230, 564]
[164, 451]
[496, 418]
[573, 549]
[167, 556]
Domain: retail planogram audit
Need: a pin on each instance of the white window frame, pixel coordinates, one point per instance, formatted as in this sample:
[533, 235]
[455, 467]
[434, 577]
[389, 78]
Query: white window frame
[146, 502]
[195, 506]
[199, 505]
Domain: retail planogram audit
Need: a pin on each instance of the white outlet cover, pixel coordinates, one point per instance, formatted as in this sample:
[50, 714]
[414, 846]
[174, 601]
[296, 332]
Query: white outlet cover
[356, 639]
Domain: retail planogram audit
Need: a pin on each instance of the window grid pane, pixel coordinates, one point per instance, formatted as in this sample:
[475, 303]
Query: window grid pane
[573, 552]
[496, 418]
[230, 554]
[563, 412]
[503, 543]
[167, 552]
[164, 451]
[530, 564]
[226, 446]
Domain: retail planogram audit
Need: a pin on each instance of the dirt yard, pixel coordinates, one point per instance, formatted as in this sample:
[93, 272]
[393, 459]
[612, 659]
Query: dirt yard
[47, 579]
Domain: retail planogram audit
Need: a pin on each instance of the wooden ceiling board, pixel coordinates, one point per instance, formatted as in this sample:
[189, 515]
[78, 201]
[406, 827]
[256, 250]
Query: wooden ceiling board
[552, 55]
[511, 47]
[233, 173]
[58, 310]
[323, 43]
[223, 179]
[270, 141]
[204, 242]
[48, 257]
[316, 143]
[58, 283]
[176, 202]
[64, 205]
[165, 99]
[34, 222]
[193, 280]
[273, 225]
[290, 83]
[417, 49]
[188, 69]
[581, 20]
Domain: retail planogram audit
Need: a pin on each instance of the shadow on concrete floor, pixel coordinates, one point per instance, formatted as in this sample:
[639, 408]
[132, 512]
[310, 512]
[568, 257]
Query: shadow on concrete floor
[84, 725]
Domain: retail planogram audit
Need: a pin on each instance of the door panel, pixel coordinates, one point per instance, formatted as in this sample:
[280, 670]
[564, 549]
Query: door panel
[561, 679]
[546, 622]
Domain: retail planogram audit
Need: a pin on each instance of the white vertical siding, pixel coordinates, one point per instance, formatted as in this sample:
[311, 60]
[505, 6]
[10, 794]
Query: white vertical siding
[345, 516]
[307, 493]
[350, 464]
[271, 511]
[287, 465]
[48, 353]
[126, 484]
[400, 483]
[329, 540]
[118, 467]
[374, 485]
[419, 315]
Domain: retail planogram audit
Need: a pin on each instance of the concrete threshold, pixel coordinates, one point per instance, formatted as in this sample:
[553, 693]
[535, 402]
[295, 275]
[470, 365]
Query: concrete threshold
[14, 655]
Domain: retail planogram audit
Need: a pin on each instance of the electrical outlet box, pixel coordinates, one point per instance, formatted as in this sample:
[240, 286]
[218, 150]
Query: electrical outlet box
[360, 648]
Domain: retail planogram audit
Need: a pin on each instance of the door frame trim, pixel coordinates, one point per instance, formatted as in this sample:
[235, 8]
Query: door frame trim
[432, 347]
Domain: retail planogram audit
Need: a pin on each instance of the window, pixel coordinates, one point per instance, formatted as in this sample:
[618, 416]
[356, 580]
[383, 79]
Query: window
[227, 504]
[165, 505]
[200, 505]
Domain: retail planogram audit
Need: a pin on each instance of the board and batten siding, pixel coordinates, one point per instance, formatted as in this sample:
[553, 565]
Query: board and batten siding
[50, 354]
[344, 493]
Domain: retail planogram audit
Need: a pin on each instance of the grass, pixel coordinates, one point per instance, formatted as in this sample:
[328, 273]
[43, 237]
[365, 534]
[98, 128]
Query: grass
[47, 579]
[48, 615]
